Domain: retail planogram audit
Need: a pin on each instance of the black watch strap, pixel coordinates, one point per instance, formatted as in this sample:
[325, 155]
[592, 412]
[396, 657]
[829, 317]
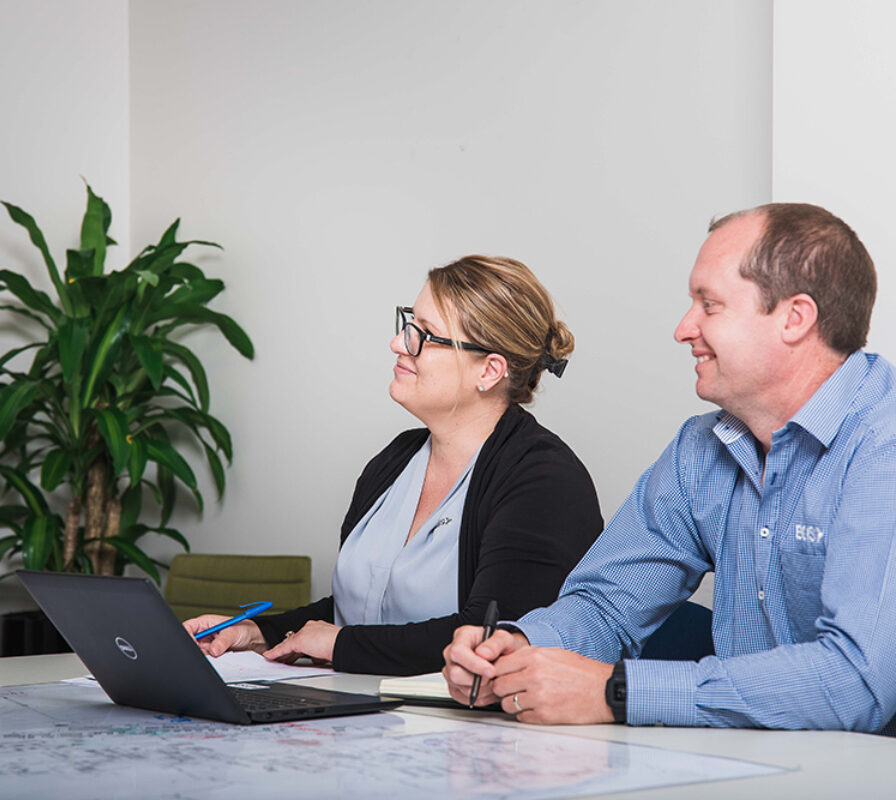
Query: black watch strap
[616, 692]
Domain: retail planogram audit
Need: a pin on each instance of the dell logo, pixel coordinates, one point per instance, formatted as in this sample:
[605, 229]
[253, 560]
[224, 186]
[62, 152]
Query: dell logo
[126, 647]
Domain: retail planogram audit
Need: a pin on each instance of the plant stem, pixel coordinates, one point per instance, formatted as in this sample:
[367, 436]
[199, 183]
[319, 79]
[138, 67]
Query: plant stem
[113, 522]
[94, 512]
[70, 537]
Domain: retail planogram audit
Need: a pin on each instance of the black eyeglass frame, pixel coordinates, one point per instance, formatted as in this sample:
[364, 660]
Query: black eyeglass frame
[402, 323]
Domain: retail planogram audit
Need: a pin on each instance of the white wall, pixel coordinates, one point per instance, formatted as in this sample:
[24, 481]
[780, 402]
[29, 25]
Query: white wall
[835, 126]
[340, 149]
[64, 101]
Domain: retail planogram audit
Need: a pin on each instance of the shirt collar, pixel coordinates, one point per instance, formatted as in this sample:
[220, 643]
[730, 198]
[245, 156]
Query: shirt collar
[824, 412]
[729, 428]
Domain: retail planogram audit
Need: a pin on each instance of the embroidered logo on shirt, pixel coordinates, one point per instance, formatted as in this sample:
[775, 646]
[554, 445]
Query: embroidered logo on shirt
[441, 522]
[808, 533]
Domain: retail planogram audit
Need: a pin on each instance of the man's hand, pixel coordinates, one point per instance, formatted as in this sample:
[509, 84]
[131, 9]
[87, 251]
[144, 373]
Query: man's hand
[550, 686]
[468, 655]
[244, 635]
[316, 639]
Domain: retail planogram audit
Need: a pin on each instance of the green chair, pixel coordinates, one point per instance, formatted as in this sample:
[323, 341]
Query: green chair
[208, 583]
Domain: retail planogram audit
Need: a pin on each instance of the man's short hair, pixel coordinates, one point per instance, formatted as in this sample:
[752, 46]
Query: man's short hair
[806, 249]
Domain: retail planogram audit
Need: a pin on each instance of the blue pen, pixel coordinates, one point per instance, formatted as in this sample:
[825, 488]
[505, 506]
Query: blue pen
[252, 610]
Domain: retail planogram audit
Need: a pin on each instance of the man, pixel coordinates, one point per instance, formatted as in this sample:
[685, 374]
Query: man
[788, 494]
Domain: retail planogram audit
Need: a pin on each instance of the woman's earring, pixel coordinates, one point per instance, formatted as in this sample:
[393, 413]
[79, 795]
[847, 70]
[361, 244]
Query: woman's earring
[481, 388]
[506, 374]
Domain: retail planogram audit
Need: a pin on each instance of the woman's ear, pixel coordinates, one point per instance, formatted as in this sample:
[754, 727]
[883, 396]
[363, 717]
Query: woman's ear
[491, 371]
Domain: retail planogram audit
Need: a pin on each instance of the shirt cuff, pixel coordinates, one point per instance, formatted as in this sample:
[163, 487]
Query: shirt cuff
[661, 692]
[538, 634]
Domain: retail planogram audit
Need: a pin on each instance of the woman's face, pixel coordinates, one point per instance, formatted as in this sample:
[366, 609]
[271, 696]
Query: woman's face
[436, 382]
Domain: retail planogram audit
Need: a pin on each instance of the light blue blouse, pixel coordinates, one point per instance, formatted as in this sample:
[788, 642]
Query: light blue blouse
[381, 580]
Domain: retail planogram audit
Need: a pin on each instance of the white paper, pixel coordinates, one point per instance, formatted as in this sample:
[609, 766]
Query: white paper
[244, 666]
[57, 740]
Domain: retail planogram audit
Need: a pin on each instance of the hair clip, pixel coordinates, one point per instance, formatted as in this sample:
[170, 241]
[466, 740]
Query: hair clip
[556, 366]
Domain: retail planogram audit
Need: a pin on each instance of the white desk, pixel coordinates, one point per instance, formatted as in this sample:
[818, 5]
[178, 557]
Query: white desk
[824, 764]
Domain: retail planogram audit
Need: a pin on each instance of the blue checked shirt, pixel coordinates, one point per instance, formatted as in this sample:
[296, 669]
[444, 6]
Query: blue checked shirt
[804, 618]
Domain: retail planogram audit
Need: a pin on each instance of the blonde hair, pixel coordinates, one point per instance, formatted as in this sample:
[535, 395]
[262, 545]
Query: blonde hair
[499, 304]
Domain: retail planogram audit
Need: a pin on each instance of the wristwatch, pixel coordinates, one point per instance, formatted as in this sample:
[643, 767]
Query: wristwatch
[615, 692]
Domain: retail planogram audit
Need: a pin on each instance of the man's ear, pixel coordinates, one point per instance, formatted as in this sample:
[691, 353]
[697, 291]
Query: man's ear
[492, 370]
[800, 319]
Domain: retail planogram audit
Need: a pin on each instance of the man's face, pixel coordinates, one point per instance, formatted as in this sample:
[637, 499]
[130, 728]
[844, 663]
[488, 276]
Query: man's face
[736, 344]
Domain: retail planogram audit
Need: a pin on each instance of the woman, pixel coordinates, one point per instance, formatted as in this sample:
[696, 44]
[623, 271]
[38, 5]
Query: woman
[483, 503]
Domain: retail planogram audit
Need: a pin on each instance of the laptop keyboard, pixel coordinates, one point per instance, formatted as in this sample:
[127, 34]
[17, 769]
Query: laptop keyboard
[263, 700]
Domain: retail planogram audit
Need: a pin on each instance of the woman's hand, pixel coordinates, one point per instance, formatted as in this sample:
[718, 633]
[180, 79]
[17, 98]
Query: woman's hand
[244, 635]
[316, 639]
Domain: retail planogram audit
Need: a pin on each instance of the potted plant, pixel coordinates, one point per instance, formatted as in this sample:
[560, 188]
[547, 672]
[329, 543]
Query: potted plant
[104, 406]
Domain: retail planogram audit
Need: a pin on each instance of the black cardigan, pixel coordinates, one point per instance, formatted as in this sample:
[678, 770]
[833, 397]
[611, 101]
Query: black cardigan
[530, 513]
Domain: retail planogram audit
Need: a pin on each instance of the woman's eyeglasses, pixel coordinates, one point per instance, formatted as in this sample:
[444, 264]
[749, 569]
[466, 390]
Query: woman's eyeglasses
[414, 337]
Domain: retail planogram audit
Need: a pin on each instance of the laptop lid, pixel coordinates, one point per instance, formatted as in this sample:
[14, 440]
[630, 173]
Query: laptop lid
[137, 649]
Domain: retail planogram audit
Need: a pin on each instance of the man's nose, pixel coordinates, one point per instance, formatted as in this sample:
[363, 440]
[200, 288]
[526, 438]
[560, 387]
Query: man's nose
[687, 329]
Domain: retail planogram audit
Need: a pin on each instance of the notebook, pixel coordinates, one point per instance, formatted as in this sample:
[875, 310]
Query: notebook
[428, 689]
[142, 656]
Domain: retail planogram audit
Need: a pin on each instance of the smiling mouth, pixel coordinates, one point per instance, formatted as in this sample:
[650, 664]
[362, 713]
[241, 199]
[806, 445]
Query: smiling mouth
[701, 359]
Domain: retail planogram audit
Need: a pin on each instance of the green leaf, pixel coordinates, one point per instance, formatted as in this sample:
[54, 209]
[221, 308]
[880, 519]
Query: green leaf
[26, 313]
[131, 505]
[150, 277]
[9, 515]
[113, 426]
[137, 461]
[10, 354]
[135, 555]
[56, 466]
[180, 380]
[24, 219]
[32, 496]
[165, 455]
[136, 531]
[13, 398]
[194, 365]
[149, 354]
[214, 426]
[78, 264]
[37, 541]
[170, 235]
[197, 292]
[8, 543]
[232, 332]
[72, 342]
[167, 492]
[105, 352]
[197, 496]
[217, 469]
[35, 299]
[97, 218]
[183, 272]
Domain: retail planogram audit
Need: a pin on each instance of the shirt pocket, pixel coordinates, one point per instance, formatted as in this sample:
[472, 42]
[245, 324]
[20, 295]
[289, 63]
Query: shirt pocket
[802, 574]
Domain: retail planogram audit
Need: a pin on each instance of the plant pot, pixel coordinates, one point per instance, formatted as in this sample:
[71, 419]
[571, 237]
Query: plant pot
[29, 633]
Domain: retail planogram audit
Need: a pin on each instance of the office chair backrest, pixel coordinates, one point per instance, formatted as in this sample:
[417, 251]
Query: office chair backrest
[211, 583]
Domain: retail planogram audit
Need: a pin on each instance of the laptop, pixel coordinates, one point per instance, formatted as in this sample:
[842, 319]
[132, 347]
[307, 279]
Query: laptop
[137, 649]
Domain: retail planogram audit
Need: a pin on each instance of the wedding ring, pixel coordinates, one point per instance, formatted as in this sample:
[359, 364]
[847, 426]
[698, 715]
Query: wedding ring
[288, 634]
[516, 704]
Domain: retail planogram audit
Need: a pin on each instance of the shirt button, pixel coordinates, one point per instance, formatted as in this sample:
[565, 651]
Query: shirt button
[763, 532]
[761, 595]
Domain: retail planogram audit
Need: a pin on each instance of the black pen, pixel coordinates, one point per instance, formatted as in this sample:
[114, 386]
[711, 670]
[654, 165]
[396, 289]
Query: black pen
[488, 625]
